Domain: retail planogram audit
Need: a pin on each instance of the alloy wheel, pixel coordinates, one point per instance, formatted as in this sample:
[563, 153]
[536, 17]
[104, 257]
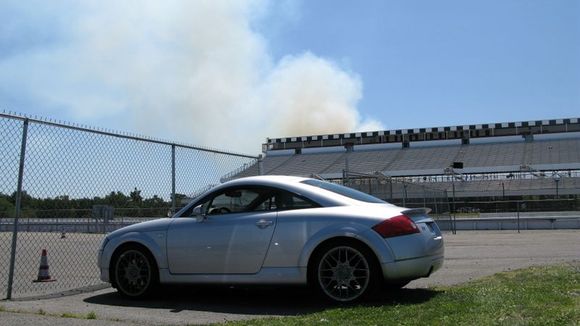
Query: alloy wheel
[343, 273]
[133, 273]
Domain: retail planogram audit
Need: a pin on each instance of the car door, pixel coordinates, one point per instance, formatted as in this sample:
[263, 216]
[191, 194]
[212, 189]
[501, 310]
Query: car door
[232, 238]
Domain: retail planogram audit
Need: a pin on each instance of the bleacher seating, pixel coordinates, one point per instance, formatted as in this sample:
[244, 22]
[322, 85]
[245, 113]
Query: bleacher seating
[363, 161]
[306, 164]
[480, 188]
[514, 168]
[509, 156]
[553, 151]
[489, 155]
[438, 157]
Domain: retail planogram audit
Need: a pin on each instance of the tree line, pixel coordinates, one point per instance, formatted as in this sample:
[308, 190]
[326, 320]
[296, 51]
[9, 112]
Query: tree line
[63, 206]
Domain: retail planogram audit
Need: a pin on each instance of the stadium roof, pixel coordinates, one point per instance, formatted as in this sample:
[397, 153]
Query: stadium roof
[406, 136]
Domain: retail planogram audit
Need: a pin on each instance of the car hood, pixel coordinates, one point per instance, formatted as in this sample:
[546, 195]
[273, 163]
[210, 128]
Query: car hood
[148, 226]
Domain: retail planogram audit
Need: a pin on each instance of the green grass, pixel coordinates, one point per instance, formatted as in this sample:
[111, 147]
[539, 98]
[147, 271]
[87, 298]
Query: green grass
[69, 315]
[533, 296]
[42, 312]
[90, 315]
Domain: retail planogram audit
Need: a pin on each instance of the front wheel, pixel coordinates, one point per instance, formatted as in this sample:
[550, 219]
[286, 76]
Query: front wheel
[135, 272]
[345, 272]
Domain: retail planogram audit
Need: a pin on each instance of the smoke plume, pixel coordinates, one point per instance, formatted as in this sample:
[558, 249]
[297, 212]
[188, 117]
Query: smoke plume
[195, 71]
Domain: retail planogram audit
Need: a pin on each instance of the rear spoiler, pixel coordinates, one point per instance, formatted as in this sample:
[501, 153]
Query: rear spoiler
[417, 211]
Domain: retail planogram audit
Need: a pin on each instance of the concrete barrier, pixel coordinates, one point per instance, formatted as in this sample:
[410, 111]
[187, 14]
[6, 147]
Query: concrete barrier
[67, 225]
[513, 223]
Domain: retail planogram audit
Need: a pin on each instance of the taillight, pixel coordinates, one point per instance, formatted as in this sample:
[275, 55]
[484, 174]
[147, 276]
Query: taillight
[398, 225]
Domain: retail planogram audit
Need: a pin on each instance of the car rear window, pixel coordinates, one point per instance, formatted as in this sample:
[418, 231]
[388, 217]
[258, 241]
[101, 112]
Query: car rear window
[344, 191]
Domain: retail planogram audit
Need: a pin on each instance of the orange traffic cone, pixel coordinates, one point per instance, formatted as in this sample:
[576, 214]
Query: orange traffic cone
[43, 275]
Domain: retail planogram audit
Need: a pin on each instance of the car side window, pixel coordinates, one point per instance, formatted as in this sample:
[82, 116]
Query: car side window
[236, 200]
[287, 201]
[231, 201]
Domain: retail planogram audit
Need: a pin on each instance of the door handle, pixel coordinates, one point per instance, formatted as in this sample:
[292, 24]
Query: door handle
[262, 224]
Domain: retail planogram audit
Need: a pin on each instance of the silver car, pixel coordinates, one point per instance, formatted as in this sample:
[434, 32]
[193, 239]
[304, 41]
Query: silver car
[277, 230]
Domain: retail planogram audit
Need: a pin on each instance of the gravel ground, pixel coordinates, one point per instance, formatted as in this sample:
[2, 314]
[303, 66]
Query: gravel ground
[469, 255]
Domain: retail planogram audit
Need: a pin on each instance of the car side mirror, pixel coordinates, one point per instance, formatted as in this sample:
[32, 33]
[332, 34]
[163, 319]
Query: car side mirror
[198, 213]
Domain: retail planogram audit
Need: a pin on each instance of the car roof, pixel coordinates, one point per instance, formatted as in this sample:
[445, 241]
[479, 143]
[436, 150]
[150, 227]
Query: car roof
[262, 179]
[294, 184]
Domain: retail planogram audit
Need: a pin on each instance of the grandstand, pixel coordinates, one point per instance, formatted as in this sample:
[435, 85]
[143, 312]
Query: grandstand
[509, 156]
[510, 160]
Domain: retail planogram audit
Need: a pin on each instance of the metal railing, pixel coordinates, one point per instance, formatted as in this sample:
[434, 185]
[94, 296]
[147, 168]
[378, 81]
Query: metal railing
[473, 198]
[63, 185]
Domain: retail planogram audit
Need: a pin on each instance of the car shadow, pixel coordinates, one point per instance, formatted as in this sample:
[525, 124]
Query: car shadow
[279, 301]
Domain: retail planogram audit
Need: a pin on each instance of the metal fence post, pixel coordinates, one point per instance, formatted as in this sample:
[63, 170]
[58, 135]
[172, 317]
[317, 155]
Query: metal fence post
[18, 205]
[346, 171]
[453, 207]
[451, 214]
[518, 216]
[260, 164]
[173, 199]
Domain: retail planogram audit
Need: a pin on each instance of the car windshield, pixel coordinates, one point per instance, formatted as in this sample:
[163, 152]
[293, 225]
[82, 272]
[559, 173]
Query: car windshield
[344, 191]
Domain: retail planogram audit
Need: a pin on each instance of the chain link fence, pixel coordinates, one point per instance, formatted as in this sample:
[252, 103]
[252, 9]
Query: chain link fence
[496, 193]
[77, 183]
[459, 198]
[453, 195]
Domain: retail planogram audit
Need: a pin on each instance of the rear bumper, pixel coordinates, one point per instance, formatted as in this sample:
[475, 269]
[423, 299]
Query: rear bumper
[412, 268]
[416, 255]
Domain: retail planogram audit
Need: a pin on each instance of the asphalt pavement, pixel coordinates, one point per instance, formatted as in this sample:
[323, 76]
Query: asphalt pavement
[469, 255]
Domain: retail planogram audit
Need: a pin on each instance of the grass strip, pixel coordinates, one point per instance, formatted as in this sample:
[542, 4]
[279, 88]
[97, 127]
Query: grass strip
[544, 295]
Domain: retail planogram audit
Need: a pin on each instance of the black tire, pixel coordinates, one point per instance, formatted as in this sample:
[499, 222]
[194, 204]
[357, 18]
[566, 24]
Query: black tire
[134, 272]
[344, 271]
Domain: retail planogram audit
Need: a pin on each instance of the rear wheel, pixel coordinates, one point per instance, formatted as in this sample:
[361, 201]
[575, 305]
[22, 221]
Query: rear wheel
[345, 272]
[135, 272]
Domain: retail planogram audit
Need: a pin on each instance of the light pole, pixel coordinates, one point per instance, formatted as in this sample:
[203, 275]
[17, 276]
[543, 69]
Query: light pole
[346, 171]
[556, 178]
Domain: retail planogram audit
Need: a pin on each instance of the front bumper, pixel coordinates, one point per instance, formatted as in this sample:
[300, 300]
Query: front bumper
[103, 271]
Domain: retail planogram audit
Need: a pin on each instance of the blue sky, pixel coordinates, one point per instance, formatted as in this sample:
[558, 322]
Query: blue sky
[229, 74]
[430, 63]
